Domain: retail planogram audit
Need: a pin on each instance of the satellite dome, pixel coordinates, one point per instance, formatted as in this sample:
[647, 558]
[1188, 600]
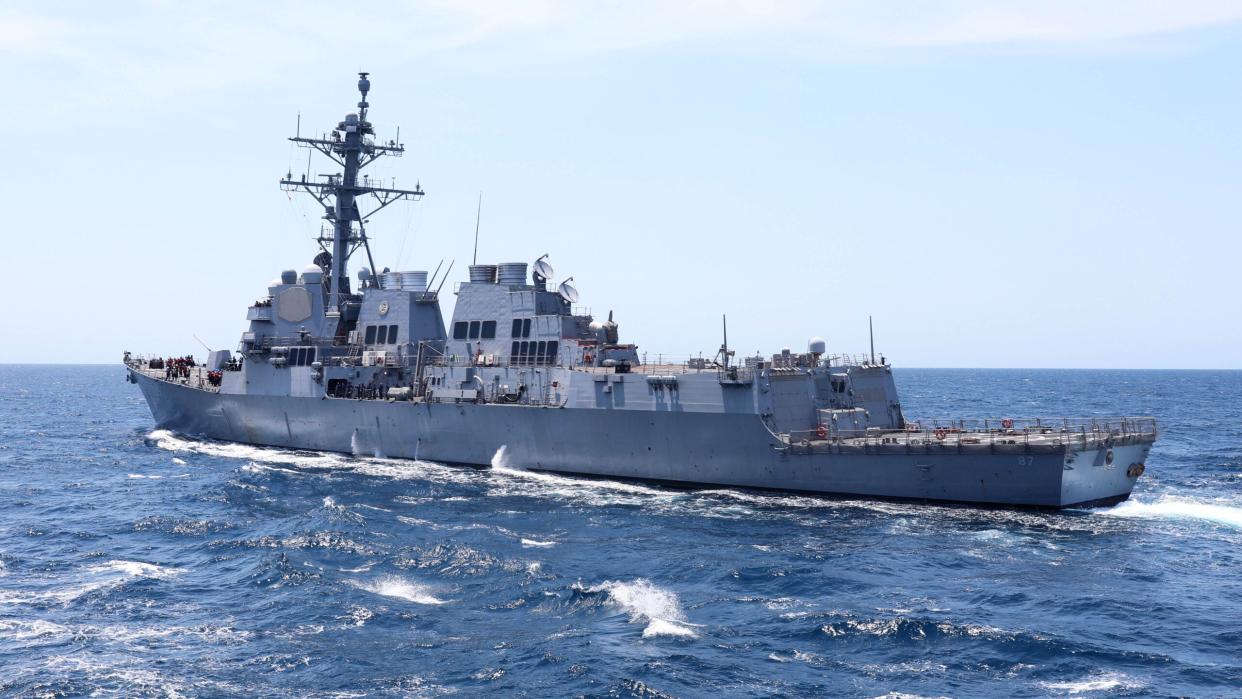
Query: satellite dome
[816, 345]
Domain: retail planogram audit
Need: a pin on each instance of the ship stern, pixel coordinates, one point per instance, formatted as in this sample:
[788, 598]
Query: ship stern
[1104, 475]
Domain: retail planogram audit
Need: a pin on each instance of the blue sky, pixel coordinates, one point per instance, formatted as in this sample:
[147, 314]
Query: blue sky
[1000, 184]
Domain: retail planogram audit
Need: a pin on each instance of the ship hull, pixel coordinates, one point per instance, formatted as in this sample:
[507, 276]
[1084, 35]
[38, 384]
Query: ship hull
[685, 448]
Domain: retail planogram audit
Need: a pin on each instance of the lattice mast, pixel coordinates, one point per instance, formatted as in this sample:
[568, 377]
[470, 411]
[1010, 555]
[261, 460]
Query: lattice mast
[352, 146]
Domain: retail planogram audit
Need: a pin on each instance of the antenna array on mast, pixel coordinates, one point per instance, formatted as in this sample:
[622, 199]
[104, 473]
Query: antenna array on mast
[352, 146]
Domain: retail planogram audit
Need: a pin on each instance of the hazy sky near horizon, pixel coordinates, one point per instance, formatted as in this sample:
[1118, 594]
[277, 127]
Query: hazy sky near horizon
[999, 183]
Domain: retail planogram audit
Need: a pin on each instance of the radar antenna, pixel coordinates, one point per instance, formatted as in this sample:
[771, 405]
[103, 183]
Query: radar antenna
[568, 292]
[352, 146]
[542, 271]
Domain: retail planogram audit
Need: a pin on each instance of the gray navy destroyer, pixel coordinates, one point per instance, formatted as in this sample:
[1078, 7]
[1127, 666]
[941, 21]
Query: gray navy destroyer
[372, 368]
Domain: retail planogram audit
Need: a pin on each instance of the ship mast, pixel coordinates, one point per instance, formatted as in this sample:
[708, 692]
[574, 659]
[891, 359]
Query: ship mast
[352, 146]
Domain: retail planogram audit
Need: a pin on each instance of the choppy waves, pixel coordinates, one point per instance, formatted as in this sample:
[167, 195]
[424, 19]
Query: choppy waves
[144, 563]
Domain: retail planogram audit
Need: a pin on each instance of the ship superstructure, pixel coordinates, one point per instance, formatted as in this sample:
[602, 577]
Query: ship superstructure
[519, 368]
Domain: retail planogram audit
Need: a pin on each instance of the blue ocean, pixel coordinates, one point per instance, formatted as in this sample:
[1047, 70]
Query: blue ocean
[137, 562]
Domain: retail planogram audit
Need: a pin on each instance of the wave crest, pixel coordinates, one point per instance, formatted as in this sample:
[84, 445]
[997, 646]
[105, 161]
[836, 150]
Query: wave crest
[399, 588]
[645, 602]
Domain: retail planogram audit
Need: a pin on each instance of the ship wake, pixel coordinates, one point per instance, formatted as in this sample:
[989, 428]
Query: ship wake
[1172, 507]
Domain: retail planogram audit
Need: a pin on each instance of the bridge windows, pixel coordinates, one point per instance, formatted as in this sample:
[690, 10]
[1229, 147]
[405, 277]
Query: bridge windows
[301, 356]
[474, 330]
[521, 327]
[541, 353]
[381, 335]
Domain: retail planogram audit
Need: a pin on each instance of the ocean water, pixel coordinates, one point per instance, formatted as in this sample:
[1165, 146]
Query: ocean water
[136, 562]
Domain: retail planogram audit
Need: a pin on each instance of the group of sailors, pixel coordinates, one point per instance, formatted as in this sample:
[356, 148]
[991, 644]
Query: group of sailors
[174, 367]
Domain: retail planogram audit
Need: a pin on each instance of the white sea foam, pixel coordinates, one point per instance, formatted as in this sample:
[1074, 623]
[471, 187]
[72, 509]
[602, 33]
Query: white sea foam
[179, 462]
[400, 588]
[124, 680]
[96, 577]
[566, 486]
[1170, 507]
[1097, 683]
[266, 459]
[645, 602]
[664, 627]
[19, 630]
[534, 543]
[136, 569]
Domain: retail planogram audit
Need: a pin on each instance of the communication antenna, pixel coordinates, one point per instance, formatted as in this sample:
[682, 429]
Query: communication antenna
[871, 331]
[724, 346]
[433, 274]
[204, 344]
[446, 273]
[542, 269]
[477, 216]
[568, 292]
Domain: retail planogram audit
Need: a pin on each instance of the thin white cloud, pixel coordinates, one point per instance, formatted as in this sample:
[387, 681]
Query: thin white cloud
[165, 48]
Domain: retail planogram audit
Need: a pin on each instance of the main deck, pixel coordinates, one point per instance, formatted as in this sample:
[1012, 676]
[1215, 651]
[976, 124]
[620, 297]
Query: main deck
[997, 435]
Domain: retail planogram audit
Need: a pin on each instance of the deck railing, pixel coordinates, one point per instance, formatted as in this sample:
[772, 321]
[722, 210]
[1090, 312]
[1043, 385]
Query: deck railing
[1079, 432]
